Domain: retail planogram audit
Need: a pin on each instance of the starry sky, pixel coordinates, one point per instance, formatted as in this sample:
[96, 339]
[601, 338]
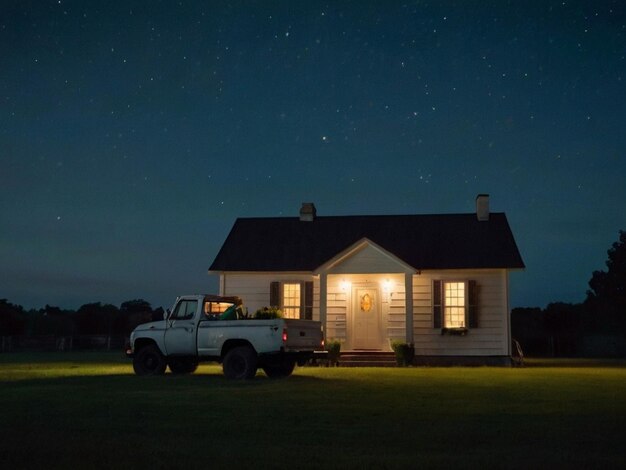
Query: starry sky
[134, 133]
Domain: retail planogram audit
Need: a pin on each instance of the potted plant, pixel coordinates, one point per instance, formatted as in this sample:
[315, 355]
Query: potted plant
[333, 346]
[404, 352]
[268, 313]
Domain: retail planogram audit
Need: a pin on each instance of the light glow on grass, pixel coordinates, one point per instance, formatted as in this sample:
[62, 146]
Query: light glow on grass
[89, 410]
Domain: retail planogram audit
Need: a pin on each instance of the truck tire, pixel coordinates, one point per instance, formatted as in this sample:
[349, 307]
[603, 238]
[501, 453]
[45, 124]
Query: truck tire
[279, 370]
[240, 363]
[149, 361]
[181, 365]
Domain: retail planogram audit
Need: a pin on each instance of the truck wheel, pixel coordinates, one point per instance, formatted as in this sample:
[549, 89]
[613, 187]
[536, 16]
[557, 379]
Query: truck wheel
[149, 361]
[240, 363]
[182, 365]
[279, 370]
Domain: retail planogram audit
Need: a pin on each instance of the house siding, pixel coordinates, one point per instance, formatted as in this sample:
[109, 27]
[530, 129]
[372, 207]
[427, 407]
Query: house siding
[254, 288]
[490, 338]
[336, 311]
[396, 309]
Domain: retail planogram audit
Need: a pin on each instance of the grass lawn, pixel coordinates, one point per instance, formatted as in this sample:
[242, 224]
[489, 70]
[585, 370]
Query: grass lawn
[87, 410]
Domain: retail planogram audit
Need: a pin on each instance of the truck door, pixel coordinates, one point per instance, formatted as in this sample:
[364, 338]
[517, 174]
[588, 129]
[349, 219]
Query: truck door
[180, 333]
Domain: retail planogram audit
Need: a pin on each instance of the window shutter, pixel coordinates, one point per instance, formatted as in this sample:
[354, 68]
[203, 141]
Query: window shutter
[472, 300]
[437, 304]
[308, 300]
[275, 294]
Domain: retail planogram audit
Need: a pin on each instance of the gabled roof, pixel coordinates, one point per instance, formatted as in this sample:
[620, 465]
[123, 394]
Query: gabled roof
[389, 260]
[445, 241]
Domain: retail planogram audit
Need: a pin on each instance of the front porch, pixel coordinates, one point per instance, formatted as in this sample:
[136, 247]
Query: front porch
[366, 298]
[366, 312]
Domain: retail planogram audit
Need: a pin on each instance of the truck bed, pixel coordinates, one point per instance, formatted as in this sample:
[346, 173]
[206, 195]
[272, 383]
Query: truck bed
[266, 335]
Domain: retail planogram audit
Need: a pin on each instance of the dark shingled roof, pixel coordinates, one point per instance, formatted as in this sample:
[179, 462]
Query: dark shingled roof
[446, 241]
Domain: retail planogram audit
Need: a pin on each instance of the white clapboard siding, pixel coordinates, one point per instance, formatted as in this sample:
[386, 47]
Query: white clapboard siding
[336, 309]
[396, 312]
[491, 336]
[254, 288]
[489, 339]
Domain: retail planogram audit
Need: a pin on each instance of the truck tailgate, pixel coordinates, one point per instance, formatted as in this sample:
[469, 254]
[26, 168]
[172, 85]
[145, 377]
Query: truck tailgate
[303, 335]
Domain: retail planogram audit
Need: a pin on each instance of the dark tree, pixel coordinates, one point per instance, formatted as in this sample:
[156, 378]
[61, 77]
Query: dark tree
[133, 313]
[96, 319]
[529, 328]
[136, 306]
[12, 319]
[607, 296]
[158, 314]
[52, 320]
[562, 322]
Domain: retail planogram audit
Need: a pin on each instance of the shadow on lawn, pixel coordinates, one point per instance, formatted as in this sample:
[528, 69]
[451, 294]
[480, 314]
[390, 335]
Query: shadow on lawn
[168, 380]
[574, 362]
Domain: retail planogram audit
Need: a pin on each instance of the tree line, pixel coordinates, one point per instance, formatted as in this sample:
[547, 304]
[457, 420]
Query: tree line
[90, 319]
[594, 327]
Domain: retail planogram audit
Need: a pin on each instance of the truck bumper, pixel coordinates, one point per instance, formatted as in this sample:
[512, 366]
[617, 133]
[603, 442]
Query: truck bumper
[320, 354]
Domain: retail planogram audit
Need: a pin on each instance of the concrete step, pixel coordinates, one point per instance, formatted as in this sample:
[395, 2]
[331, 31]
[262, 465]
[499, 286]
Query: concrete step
[367, 359]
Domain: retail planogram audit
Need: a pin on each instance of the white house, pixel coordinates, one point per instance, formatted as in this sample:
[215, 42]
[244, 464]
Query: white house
[439, 282]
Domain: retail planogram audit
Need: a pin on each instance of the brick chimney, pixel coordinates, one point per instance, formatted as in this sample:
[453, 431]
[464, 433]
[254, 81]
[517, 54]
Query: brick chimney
[307, 212]
[482, 207]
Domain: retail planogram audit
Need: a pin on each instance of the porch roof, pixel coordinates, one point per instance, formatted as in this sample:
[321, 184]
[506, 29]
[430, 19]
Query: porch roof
[443, 241]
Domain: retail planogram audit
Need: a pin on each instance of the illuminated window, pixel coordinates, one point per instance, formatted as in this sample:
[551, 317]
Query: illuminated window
[454, 305]
[213, 308]
[294, 299]
[291, 300]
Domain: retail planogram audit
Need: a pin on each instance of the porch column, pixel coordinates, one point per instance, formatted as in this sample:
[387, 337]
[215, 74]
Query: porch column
[323, 295]
[408, 293]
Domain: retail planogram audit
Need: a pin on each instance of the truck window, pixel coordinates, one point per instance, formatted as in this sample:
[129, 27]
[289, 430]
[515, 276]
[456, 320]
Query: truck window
[185, 310]
[214, 309]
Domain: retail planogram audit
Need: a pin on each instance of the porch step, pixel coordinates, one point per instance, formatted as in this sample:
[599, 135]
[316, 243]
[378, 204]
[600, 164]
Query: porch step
[367, 359]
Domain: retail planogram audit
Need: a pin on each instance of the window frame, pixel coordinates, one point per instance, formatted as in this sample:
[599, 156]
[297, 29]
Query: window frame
[445, 306]
[300, 306]
[471, 307]
[305, 308]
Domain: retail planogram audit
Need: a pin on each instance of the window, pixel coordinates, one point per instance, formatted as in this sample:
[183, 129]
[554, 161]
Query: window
[295, 299]
[214, 309]
[291, 300]
[454, 305]
[185, 310]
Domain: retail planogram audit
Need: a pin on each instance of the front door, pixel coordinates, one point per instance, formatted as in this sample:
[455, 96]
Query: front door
[366, 318]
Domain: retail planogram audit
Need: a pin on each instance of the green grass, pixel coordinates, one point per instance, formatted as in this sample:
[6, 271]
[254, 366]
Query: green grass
[87, 410]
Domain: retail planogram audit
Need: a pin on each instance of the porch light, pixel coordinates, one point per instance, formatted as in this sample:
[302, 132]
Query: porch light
[344, 285]
[387, 285]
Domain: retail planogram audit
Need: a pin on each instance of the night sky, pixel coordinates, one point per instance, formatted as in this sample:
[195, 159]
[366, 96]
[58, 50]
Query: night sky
[134, 133]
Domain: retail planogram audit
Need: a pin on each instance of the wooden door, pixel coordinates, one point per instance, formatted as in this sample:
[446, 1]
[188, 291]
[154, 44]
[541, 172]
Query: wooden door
[366, 318]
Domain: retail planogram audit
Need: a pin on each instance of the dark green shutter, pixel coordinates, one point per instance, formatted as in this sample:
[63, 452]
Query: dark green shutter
[437, 304]
[275, 294]
[472, 299]
[308, 300]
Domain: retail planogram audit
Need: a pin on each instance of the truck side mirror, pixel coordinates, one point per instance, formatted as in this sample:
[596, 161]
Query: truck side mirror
[166, 313]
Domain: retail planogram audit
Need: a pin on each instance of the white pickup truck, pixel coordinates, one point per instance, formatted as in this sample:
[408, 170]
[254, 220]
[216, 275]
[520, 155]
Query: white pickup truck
[215, 328]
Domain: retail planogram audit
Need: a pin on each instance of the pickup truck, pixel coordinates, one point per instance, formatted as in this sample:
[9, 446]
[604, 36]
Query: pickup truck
[216, 328]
